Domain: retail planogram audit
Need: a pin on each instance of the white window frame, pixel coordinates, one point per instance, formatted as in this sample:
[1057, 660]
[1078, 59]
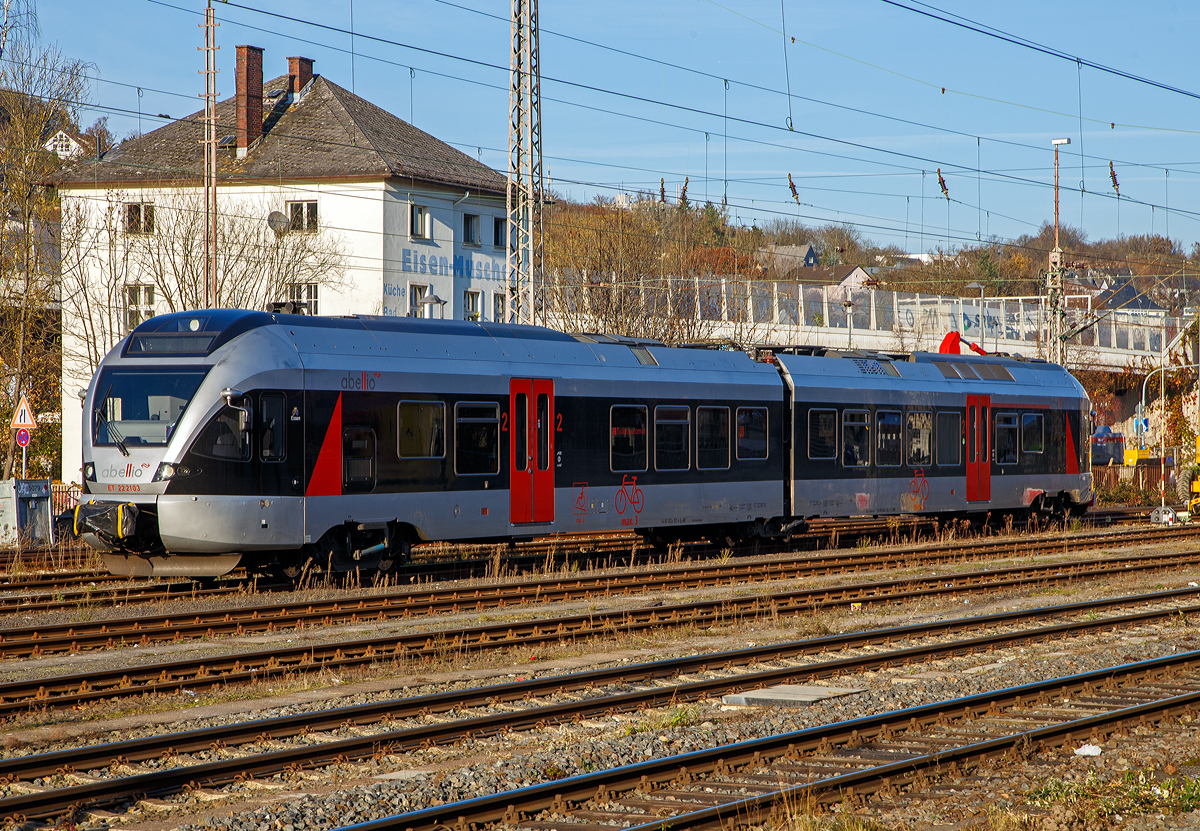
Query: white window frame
[139, 304]
[501, 296]
[499, 232]
[310, 217]
[306, 293]
[144, 209]
[470, 231]
[477, 314]
[413, 310]
[418, 222]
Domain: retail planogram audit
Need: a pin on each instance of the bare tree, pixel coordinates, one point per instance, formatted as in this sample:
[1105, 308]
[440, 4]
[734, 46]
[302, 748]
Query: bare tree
[111, 256]
[39, 88]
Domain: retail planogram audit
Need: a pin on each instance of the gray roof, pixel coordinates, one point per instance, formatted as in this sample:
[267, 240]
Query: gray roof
[328, 133]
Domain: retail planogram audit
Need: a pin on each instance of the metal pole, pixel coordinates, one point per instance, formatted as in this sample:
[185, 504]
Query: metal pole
[1056, 196]
[23, 449]
[1162, 397]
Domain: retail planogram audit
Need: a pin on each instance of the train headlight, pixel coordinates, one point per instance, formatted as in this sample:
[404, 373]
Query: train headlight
[167, 471]
[89, 472]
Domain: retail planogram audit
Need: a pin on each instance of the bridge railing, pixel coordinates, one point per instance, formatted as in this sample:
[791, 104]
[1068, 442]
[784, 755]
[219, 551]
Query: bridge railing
[795, 312]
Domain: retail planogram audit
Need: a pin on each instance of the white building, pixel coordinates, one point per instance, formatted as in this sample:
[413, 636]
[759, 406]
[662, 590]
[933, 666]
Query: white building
[411, 216]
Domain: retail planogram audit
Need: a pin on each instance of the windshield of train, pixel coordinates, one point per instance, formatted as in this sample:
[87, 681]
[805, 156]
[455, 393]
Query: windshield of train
[139, 407]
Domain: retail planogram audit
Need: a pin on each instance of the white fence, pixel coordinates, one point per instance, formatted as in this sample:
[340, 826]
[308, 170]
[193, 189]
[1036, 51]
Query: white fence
[789, 313]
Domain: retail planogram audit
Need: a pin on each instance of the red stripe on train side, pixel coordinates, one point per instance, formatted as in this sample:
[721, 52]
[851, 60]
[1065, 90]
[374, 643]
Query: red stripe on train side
[327, 474]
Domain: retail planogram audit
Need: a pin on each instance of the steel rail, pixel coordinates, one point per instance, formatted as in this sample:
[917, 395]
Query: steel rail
[224, 771]
[65, 592]
[510, 805]
[81, 688]
[755, 809]
[72, 637]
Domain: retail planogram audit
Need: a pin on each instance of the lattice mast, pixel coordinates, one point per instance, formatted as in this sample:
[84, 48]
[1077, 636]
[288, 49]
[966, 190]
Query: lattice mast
[524, 198]
[210, 155]
[1055, 293]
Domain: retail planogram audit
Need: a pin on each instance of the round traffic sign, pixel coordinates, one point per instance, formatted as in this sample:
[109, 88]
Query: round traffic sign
[23, 437]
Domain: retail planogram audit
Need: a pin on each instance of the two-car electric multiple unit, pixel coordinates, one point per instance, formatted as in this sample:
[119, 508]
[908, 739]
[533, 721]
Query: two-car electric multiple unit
[225, 437]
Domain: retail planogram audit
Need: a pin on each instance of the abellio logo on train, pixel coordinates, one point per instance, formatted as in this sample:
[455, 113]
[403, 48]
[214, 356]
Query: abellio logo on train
[360, 380]
[127, 472]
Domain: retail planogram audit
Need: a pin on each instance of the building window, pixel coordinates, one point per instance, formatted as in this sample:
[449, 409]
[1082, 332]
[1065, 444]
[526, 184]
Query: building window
[139, 305]
[418, 227]
[470, 305]
[470, 229]
[416, 293]
[302, 216]
[499, 307]
[499, 231]
[305, 293]
[139, 218]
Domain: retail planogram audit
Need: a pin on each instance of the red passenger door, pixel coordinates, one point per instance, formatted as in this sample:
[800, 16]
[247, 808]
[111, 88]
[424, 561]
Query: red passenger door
[531, 450]
[979, 448]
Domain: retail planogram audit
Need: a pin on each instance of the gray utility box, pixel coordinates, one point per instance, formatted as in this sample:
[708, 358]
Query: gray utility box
[25, 513]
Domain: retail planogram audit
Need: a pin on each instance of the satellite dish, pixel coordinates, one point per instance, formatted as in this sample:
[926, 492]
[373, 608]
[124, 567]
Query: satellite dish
[277, 222]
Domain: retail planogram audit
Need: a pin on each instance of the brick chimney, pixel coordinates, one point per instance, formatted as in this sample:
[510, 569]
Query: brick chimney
[299, 74]
[249, 97]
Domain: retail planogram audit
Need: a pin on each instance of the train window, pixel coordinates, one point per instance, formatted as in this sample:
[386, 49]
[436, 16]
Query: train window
[273, 425]
[543, 431]
[888, 447]
[752, 432]
[856, 443]
[949, 439]
[627, 438]
[358, 459]
[224, 438]
[1033, 432]
[476, 439]
[521, 432]
[712, 438]
[919, 439]
[672, 438]
[822, 434]
[1006, 438]
[422, 430]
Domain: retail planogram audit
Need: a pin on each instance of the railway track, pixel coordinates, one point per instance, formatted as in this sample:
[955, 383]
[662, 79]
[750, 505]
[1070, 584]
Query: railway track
[48, 639]
[585, 691]
[707, 789]
[50, 591]
[216, 671]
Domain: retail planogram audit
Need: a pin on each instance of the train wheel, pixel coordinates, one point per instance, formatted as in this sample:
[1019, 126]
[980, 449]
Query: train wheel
[292, 570]
[391, 561]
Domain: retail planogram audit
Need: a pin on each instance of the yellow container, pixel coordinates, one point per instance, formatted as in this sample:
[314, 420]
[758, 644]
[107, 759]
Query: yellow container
[1135, 454]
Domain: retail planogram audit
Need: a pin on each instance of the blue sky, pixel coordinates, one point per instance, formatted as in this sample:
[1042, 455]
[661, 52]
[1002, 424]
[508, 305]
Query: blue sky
[871, 121]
